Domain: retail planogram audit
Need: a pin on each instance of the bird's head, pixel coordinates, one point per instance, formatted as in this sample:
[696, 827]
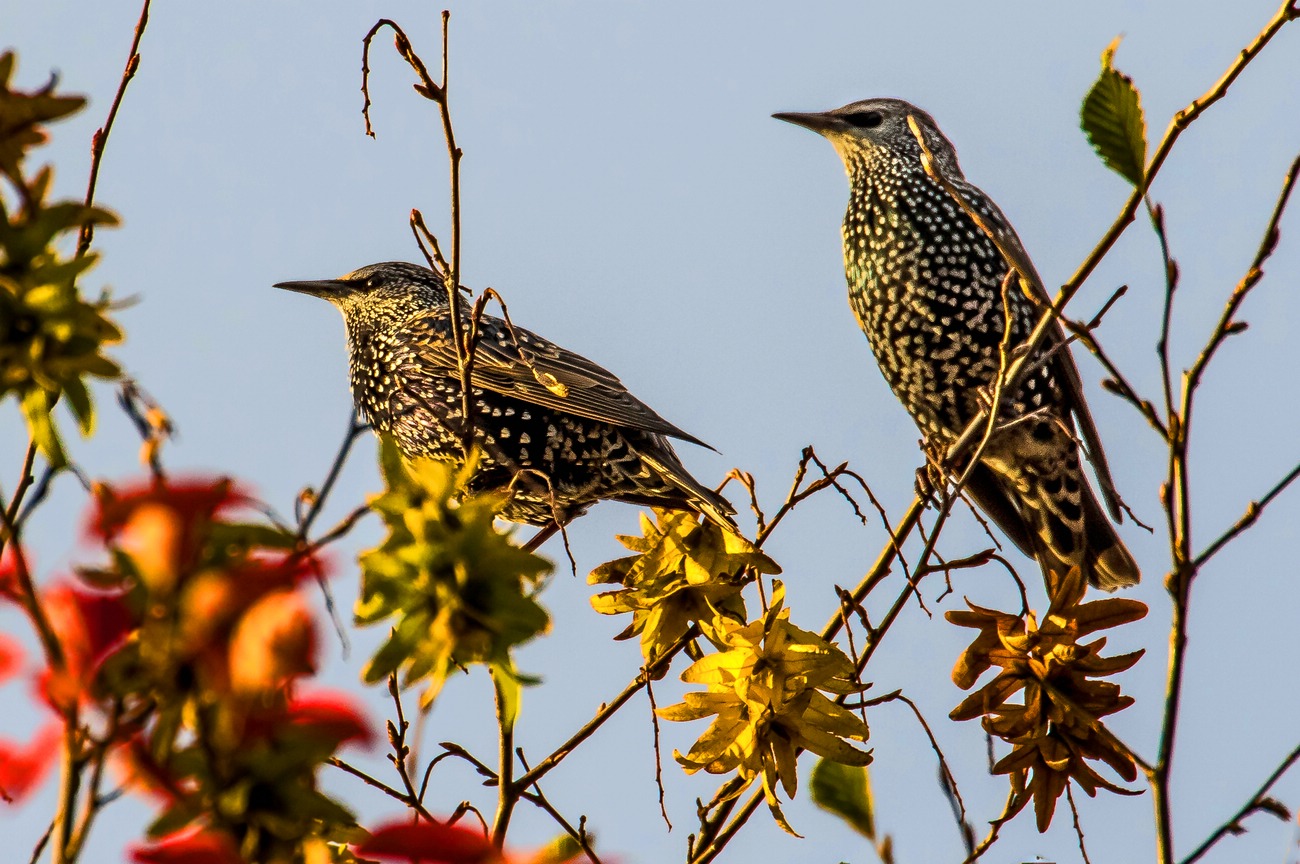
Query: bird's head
[878, 129]
[378, 295]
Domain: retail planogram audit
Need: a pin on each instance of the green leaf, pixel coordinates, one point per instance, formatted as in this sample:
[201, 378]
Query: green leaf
[36, 408]
[21, 116]
[1112, 119]
[845, 791]
[509, 692]
[79, 402]
[251, 535]
[559, 851]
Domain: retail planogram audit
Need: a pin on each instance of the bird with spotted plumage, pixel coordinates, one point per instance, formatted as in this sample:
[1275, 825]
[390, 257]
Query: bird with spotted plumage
[926, 284]
[558, 430]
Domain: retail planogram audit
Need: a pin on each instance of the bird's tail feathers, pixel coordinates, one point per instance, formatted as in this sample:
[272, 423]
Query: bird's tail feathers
[699, 497]
[1090, 543]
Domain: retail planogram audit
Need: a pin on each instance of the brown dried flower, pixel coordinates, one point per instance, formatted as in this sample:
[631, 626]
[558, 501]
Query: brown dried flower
[1055, 727]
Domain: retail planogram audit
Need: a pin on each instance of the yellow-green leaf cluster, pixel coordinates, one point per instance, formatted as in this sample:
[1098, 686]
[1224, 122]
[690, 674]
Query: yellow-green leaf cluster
[50, 338]
[1055, 728]
[764, 691]
[686, 571]
[453, 588]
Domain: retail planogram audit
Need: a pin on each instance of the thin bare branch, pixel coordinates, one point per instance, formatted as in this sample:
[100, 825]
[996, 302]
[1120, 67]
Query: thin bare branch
[1078, 829]
[579, 834]
[1252, 514]
[100, 138]
[402, 797]
[1177, 501]
[1259, 802]
[606, 711]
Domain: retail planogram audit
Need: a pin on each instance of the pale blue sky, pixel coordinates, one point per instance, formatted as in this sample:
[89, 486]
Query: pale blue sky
[627, 192]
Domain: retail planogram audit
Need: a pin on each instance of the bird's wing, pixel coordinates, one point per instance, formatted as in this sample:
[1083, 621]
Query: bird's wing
[1008, 243]
[519, 363]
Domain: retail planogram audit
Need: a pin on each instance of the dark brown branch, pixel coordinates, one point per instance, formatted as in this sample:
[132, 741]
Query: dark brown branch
[100, 137]
[579, 834]
[402, 797]
[1078, 829]
[1258, 802]
[397, 740]
[606, 711]
[1157, 214]
[1253, 511]
[437, 93]
[150, 421]
[950, 780]
[1227, 324]
[995, 827]
[1177, 500]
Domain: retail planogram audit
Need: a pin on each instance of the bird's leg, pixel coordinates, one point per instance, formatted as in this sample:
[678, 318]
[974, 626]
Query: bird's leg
[931, 479]
[543, 534]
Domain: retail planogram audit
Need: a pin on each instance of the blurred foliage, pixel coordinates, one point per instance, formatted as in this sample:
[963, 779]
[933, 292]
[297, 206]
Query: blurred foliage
[51, 339]
[1111, 118]
[180, 663]
[453, 589]
[845, 790]
[1056, 727]
[686, 571]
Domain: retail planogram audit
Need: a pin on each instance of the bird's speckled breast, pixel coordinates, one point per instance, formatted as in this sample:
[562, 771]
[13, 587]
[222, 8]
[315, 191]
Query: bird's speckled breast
[925, 283]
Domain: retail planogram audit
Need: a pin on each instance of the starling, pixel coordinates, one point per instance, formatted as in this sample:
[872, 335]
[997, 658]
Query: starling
[560, 431]
[926, 284]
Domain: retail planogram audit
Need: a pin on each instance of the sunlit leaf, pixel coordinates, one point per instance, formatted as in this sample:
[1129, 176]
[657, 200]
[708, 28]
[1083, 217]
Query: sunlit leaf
[1112, 119]
[845, 791]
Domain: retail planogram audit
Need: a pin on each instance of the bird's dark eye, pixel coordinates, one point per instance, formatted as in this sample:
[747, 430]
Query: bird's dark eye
[864, 119]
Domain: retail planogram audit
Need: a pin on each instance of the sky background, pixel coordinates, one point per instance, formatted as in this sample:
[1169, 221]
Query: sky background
[627, 192]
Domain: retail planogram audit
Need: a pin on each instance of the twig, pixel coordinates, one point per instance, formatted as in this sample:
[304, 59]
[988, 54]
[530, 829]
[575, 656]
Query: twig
[11, 509]
[350, 436]
[607, 710]
[1257, 802]
[659, 756]
[1157, 214]
[1078, 829]
[949, 779]
[1177, 500]
[340, 529]
[42, 843]
[1227, 324]
[396, 795]
[152, 424]
[28, 597]
[305, 521]
[537, 798]
[397, 740]
[1252, 514]
[995, 827]
[100, 137]
[507, 792]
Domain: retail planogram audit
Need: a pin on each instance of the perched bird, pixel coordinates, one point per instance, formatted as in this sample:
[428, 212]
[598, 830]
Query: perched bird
[926, 284]
[559, 430]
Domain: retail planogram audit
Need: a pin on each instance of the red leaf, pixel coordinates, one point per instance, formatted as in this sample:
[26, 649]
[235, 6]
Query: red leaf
[331, 717]
[273, 643]
[9, 589]
[11, 656]
[430, 843]
[190, 846]
[23, 767]
[90, 627]
[191, 500]
[138, 771]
